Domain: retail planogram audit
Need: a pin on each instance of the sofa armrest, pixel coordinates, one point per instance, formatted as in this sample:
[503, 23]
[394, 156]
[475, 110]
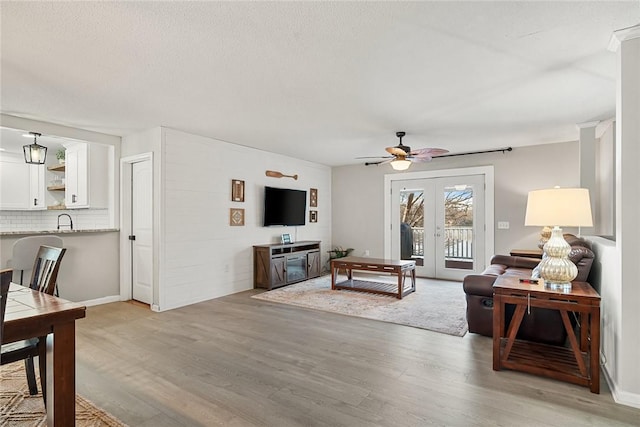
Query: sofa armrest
[582, 257]
[515, 261]
[479, 284]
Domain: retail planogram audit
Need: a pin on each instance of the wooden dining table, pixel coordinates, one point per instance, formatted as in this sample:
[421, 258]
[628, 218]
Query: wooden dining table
[35, 314]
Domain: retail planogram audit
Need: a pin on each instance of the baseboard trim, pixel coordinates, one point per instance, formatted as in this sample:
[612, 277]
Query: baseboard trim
[621, 397]
[100, 301]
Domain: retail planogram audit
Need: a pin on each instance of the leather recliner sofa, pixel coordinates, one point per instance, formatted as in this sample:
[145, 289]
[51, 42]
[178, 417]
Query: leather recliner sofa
[540, 325]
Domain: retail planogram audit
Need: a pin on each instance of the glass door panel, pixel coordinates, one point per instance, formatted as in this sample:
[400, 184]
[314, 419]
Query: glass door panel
[411, 225]
[458, 226]
[439, 223]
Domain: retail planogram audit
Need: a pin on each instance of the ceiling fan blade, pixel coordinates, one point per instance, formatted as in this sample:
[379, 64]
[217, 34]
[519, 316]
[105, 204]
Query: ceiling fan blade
[396, 151]
[428, 152]
[419, 159]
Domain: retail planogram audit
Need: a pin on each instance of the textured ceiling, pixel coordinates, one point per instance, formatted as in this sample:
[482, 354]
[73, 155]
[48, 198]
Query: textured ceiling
[321, 81]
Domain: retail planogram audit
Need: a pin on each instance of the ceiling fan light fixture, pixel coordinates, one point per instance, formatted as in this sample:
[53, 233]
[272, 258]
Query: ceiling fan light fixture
[400, 164]
[35, 153]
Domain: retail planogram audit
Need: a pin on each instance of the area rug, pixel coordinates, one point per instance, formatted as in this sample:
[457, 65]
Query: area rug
[436, 305]
[18, 408]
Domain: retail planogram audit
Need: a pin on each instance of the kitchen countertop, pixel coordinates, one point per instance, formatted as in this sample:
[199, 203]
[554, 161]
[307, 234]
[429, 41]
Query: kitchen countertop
[65, 231]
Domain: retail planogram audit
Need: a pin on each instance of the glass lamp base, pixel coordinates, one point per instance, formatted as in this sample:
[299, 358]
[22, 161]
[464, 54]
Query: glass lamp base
[559, 287]
[556, 268]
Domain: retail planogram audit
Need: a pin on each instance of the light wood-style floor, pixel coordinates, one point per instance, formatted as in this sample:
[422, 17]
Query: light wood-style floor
[237, 361]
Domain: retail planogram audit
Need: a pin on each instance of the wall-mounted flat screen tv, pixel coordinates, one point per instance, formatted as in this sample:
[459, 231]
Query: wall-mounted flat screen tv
[284, 206]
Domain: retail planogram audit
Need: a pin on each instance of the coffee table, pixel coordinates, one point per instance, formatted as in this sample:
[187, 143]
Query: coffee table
[402, 269]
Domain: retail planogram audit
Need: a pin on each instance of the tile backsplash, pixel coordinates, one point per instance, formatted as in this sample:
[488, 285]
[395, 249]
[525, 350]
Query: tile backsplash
[83, 219]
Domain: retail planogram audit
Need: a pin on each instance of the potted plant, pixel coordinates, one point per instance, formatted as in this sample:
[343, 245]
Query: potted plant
[339, 252]
[60, 155]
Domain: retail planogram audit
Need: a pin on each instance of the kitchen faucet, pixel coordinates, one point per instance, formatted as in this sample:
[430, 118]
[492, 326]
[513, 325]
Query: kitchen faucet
[70, 225]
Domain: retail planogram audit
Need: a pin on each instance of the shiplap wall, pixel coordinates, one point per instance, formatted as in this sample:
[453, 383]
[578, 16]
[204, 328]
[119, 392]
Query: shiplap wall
[200, 255]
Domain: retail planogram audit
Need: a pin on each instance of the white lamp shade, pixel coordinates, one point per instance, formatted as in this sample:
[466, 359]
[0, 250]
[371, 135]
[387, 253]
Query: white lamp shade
[400, 164]
[569, 207]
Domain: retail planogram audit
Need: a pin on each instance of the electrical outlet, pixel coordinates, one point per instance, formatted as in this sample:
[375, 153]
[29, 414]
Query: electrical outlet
[503, 225]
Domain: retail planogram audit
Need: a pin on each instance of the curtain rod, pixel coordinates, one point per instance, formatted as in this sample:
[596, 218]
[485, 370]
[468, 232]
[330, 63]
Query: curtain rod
[475, 152]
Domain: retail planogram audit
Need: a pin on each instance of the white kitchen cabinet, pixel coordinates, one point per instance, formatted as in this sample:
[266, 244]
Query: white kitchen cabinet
[86, 175]
[22, 186]
[14, 182]
[37, 194]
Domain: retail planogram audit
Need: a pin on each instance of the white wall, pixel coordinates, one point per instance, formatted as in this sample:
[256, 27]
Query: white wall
[604, 215]
[200, 255]
[618, 342]
[358, 193]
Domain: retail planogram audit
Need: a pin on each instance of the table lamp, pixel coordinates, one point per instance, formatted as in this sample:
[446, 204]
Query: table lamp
[570, 207]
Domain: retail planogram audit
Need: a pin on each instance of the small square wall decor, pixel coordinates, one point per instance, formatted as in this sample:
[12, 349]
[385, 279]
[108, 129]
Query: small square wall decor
[313, 216]
[237, 190]
[313, 198]
[236, 217]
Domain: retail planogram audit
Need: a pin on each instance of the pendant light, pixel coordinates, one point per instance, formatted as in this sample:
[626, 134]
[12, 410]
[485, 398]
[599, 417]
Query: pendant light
[35, 154]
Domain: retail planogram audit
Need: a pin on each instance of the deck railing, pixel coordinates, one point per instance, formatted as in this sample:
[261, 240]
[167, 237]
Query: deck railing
[458, 242]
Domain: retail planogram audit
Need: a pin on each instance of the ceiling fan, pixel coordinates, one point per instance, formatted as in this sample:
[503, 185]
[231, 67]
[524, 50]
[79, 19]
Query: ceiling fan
[402, 155]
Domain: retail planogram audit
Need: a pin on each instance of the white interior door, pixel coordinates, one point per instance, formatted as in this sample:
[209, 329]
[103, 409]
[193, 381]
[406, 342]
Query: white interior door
[142, 231]
[439, 223]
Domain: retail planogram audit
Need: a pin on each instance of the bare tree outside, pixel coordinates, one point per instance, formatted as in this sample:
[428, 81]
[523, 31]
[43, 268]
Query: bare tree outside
[412, 208]
[458, 208]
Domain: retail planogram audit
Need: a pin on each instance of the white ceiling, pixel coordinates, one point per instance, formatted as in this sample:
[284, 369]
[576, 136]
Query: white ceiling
[321, 81]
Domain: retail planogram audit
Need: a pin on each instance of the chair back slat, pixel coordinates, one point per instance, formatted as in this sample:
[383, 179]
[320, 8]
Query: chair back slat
[45, 269]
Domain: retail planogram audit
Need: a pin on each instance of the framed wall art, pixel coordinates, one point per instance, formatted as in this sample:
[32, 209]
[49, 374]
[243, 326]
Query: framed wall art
[313, 197]
[237, 190]
[236, 217]
[313, 216]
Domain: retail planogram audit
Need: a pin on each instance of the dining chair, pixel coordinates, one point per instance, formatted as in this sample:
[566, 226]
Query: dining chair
[43, 279]
[24, 251]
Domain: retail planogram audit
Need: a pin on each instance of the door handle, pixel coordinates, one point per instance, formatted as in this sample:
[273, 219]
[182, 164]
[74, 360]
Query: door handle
[73, 198]
[35, 202]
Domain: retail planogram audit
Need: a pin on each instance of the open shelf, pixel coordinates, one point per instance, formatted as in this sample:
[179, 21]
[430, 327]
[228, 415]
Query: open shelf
[56, 188]
[56, 208]
[56, 168]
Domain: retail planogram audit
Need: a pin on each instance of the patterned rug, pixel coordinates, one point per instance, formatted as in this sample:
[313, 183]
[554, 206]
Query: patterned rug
[436, 305]
[18, 408]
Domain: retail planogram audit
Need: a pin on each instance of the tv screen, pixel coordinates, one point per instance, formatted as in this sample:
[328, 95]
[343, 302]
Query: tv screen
[283, 206]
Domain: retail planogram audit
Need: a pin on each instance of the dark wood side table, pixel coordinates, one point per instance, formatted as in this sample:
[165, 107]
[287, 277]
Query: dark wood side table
[527, 253]
[578, 363]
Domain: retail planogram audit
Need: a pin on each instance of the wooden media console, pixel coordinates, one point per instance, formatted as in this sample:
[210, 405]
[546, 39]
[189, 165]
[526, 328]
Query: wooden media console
[277, 265]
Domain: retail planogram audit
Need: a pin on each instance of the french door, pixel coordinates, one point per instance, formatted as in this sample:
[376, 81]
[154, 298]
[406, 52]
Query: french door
[439, 223]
